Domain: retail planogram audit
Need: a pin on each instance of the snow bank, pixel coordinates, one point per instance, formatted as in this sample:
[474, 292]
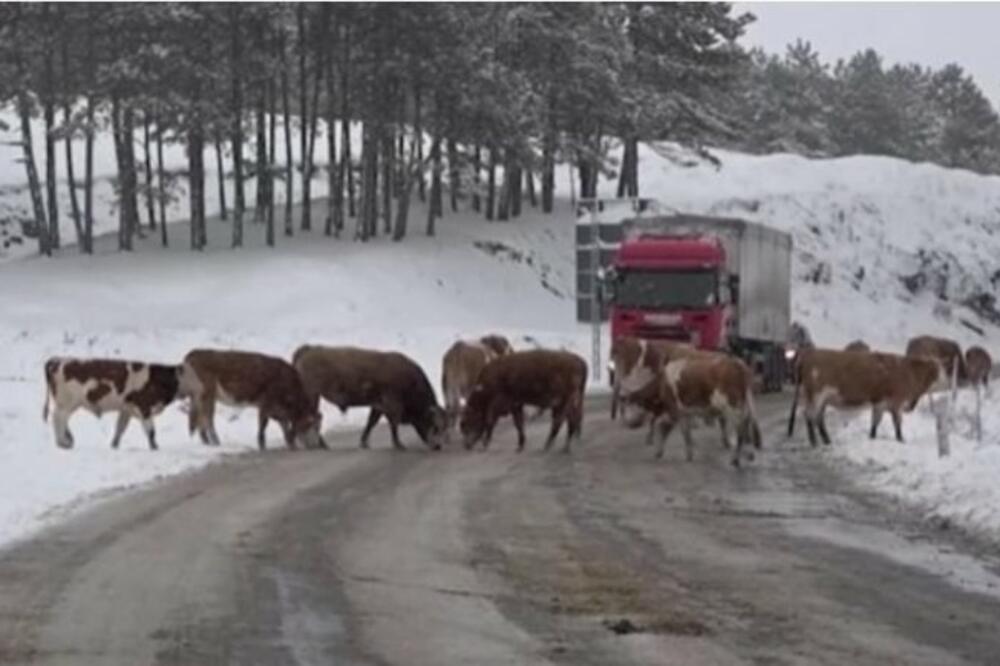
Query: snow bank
[963, 488]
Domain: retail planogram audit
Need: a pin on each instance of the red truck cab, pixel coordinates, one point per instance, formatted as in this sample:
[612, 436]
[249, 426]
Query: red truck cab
[671, 288]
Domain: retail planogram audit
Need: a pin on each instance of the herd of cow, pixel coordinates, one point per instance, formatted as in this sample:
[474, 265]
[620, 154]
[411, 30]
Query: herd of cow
[482, 380]
[666, 383]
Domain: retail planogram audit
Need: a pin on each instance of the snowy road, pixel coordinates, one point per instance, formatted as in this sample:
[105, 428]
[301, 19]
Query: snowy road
[496, 558]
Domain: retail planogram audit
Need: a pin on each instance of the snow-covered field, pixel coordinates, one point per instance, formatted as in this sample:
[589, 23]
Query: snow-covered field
[859, 225]
[961, 488]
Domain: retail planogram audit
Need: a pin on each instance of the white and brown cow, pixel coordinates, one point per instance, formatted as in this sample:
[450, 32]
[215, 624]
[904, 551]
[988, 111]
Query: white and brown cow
[700, 386]
[131, 388]
[856, 379]
[461, 366]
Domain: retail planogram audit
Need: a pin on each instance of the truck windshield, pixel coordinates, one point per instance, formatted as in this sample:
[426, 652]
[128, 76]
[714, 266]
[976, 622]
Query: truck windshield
[657, 290]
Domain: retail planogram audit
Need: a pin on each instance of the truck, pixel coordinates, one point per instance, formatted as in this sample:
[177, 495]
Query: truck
[717, 283]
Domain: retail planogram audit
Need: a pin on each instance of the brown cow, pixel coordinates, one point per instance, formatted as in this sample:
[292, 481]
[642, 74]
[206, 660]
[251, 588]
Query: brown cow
[543, 378]
[626, 353]
[858, 346]
[461, 366]
[130, 388]
[947, 352]
[705, 385]
[389, 382]
[845, 379]
[978, 365]
[240, 378]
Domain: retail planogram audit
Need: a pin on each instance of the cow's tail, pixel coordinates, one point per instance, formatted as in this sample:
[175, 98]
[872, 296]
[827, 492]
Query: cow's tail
[752, 424]
[45, 405]
[192, 416]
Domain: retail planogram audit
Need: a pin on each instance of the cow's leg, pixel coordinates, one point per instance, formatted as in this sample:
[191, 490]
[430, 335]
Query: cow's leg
[60, 424]
[206, 412]
[147, 425]
[373, 416]
[731, 424]
[688, 439]
[574, 426]
[558, 416]
[823, 432]
[897, 423]
[123, 418]
[666, 427]
[652, 429]
[392, 409]
[262, 420]
[517, 413]
[876, 419]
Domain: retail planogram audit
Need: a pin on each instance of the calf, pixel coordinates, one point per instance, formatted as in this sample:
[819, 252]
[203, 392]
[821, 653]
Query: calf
[847, 379]
[130, 388]
[461, 366]
[543, 378]
[706, 386]
[389, 383]
[238, 379]
[947, 352]
[978, 365]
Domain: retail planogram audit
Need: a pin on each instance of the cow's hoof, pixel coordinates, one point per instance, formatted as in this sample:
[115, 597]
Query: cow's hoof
[736, 463]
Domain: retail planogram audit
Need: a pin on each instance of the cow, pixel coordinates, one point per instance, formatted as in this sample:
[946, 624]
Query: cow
[240, 378]
[391, 384]
[131, 388]
[542, 378]
[706, 386]
[461, 366]
[858, 346]
[626, 353]
[978, 365]
[852, 379]
[947, 352]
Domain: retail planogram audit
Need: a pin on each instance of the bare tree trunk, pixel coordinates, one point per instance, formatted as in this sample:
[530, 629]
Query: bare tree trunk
[491, 187]
[529, 183]
[503, 203]
[304, 115]
[346, 164]
[272, 102]
[262, 168]
[236, 125]
[150, 203]
[406, 190]
[88, 178]
[388, 169]
[223, 211]
[477, 167]
[196, 168]
[49, 111]
[331, 141]
[74, 200]
[289, 160]
[419, 130]
[34, 186]
[453, 179]
[434, 210]
[161, 181]
[548, 176]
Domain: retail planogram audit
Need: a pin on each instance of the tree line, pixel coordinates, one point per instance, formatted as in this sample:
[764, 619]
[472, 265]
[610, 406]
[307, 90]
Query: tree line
[459, 105]
[798, 103]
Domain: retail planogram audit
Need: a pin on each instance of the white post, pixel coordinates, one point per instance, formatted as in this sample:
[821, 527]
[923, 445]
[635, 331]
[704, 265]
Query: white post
[979, 413]
[595, 290]
[943, 413]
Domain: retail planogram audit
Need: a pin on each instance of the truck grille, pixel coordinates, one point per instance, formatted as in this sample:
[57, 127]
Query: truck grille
[677, 333]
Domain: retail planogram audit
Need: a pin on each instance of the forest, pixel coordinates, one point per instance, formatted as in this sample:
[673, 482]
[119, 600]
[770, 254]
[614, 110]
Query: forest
[464, 106]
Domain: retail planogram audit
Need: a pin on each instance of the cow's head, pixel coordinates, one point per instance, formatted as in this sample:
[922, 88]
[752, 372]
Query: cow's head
[497, 344]
[473, 422]
[432, 427]
[304, 430]
[642, 371]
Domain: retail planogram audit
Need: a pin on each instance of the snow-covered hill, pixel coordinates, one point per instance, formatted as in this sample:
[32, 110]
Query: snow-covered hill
[859, 225]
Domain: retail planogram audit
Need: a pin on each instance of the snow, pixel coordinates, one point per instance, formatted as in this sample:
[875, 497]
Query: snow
[474, 277]
[961, 488]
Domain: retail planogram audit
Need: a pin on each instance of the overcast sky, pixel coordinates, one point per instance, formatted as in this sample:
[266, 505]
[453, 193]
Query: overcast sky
[927, 33]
